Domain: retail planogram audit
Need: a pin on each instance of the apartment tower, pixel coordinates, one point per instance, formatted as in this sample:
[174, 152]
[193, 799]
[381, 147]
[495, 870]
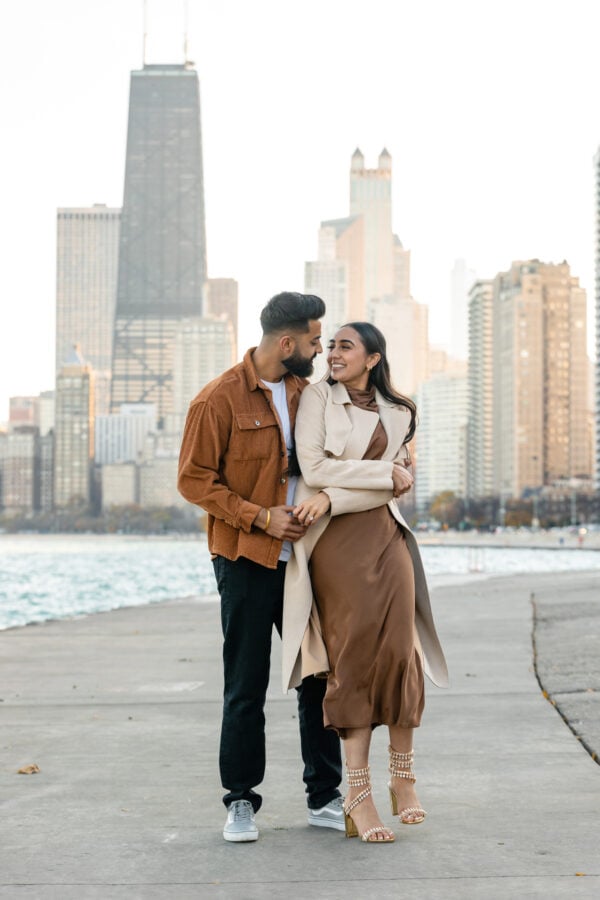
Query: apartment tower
[480, 446]
[73, 431]
[540, 416]
[87, 252]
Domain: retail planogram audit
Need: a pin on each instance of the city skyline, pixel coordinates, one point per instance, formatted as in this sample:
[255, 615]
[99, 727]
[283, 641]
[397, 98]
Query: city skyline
[486, 167]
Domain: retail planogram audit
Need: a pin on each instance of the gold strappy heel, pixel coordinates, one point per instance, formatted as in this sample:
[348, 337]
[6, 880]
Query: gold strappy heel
[358, 778]
[401, 766]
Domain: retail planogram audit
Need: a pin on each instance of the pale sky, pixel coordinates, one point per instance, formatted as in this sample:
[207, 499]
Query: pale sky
[490, 109]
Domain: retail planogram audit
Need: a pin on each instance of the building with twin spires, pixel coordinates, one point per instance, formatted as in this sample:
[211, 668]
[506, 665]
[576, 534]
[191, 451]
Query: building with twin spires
[371, 198]
[363, 273]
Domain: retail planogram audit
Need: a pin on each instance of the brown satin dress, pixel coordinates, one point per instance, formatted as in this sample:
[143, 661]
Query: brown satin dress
[363, 582]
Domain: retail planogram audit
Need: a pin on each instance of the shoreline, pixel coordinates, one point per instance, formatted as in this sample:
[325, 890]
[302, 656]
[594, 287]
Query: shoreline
[560, 539]
[564, 539]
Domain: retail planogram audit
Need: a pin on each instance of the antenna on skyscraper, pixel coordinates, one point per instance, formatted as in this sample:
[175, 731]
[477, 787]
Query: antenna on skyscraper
[186, 9]
[145, 27]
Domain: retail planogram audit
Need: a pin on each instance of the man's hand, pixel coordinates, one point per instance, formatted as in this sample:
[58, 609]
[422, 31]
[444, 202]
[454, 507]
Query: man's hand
[282, 524]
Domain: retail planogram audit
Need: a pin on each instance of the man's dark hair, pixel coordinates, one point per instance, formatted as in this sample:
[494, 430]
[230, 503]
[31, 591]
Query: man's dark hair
[290, 311]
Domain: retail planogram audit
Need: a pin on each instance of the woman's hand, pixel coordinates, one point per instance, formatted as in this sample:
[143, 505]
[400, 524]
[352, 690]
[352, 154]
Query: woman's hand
[309, 511]
[402, 479]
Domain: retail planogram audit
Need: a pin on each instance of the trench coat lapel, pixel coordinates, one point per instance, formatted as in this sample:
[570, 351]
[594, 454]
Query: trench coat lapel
[350, 429]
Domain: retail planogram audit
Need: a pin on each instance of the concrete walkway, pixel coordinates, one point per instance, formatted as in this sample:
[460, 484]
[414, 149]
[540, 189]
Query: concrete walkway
[121, 713]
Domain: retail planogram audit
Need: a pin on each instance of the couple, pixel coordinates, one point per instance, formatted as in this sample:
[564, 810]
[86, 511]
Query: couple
[353, 568]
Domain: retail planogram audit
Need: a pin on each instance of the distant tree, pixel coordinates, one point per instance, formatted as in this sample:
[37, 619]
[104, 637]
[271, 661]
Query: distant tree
[519, 513]
[116, 520]
[448, 509]
[482, 512]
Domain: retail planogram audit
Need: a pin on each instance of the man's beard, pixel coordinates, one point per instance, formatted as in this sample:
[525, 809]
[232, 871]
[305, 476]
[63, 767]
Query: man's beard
[299, 365]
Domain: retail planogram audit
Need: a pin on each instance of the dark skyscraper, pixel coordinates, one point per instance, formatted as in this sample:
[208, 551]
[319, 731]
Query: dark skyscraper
[162, 250]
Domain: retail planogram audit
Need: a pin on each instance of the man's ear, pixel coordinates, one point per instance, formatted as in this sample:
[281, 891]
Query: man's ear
[287, 344]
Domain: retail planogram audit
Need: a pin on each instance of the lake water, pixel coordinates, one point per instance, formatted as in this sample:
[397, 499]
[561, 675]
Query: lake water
[49, 577]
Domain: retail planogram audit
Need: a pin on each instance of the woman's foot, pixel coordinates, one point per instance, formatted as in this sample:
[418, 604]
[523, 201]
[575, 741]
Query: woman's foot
[360, 814]
[365, 817]
[405, 803]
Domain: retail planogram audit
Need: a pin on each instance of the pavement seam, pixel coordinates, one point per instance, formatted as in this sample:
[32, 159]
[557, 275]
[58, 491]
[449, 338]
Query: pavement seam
[546, 694]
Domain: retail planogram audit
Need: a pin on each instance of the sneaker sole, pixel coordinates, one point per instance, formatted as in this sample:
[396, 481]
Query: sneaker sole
[239, 837]
[327, 823]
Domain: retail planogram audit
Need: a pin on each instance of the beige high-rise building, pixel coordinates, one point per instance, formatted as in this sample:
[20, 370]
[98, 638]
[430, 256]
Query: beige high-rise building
[337, 275]
[203, 348]
[222, 300]
[480, 445]
[404, 323]
[74, 432]
[86, 289]
[401, 259]
[20, 469]
[461, 281]
[540, 415]
[371, 198]
[328, 279]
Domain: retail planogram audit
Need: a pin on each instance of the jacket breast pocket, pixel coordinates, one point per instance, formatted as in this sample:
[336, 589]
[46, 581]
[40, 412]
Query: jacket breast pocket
[256, 436]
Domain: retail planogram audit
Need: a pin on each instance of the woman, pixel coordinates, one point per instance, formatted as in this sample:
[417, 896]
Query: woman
[354, 616]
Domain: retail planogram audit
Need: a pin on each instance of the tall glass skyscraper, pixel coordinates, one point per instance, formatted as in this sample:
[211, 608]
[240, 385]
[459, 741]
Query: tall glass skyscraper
[162, 249]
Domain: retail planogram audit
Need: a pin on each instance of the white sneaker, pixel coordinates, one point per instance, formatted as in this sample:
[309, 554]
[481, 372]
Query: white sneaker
[240, 824]
[329, 816]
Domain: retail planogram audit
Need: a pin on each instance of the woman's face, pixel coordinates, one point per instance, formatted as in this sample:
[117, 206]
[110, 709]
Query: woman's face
[348, 359]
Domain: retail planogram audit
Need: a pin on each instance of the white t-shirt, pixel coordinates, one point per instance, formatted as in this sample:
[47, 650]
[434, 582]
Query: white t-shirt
[277, 389]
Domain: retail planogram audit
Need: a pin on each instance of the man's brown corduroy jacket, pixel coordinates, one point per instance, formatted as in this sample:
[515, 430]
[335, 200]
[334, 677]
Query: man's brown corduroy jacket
[233, 460]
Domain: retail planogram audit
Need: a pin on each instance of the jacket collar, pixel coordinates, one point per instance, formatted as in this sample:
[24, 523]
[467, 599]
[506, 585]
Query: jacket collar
[292, 382]
[339, 394]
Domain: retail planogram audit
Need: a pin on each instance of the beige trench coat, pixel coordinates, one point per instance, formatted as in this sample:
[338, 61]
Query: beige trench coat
[332, 436]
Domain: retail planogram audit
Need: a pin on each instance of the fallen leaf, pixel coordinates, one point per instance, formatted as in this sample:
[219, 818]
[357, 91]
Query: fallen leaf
[29, 770]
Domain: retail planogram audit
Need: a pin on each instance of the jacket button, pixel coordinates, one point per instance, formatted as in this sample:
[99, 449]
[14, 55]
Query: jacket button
[282, 480]
[257, 422]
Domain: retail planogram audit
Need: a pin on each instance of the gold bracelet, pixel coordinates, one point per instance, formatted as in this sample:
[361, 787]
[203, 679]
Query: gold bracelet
[268, 519]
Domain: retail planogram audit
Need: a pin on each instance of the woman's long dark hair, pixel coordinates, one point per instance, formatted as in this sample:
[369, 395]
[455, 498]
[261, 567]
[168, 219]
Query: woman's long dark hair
[374, 342]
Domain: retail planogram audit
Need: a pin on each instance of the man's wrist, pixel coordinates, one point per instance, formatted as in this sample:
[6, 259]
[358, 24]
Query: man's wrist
[263, 519]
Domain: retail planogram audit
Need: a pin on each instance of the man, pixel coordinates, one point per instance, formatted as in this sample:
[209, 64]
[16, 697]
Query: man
[237, 462]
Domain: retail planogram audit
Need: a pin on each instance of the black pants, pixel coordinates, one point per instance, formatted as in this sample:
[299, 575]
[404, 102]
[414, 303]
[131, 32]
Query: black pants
[251, 603]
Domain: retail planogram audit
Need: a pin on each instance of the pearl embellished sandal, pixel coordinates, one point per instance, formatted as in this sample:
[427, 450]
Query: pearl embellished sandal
[360, 778]
[401, 766]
